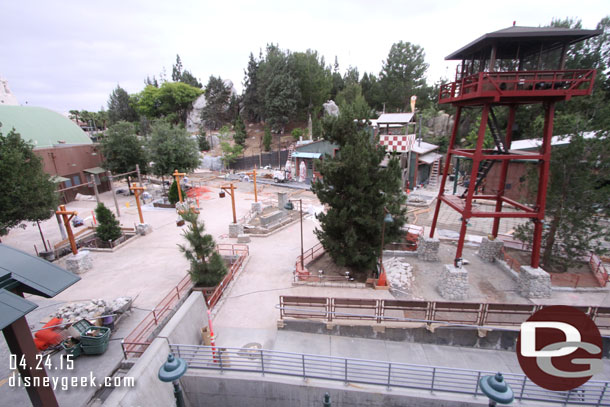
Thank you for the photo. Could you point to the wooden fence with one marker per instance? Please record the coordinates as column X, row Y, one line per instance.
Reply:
column 461, row 313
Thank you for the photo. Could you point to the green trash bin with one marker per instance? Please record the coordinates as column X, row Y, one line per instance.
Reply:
column 72, row 347
column 94, row 341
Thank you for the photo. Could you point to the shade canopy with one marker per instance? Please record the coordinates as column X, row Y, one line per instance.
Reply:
column 525, row 40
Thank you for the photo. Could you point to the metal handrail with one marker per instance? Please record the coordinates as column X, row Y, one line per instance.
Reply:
column 380, row 373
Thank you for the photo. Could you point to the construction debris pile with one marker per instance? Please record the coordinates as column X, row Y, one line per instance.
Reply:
column 399, row 273
column 93, row 309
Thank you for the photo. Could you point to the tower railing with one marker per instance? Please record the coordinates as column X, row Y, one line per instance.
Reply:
column 561, row 83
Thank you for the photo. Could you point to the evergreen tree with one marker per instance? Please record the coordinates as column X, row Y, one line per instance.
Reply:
column 240, row 132
column 356, row 190
column 281, row 99
column 217, row 96
column 26, row 193
column 337, row 80
column 252, row 104
column 404, row 74
column 207, row 266
column 119, row 107
column 577, row 199
column 202, row 141
column 173, row 196
column 108, row 228
column 267, row 139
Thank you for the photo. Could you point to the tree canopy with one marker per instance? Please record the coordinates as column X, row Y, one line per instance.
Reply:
column 119, row 107
column 217, row 98
column 26, row 192
column 172, row 148
column 122, row 149
column 172, row 101
column 403, row 75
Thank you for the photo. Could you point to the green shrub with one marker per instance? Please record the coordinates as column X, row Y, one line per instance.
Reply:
column 173, row 193
column 108, row 227
column 202, row 141
column 207, row 268
column 297, row 133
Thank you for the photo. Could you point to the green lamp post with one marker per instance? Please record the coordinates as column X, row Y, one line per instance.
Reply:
column 496, row 388
column 172, row 371
column 326, row 402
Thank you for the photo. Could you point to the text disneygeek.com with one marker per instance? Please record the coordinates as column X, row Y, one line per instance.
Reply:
column 66, row 383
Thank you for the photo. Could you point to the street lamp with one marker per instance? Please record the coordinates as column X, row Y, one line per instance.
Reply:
column 386, row 219
column 290, row 207
column 172, row 371
column 496, row 389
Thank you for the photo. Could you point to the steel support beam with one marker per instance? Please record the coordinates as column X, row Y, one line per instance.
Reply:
column 543, row 181
column 441, row 191
column 504, row 170
column 476, row 160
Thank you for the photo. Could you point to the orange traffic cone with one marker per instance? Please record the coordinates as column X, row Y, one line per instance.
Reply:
column 383, row 280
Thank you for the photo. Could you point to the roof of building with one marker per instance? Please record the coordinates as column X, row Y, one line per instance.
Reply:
column 42, row 127
column 303, row 154
column 523, row 35
column 535, row 143
column 23, row 272
column 394, row 118
column 421, row 147
column 429, row 158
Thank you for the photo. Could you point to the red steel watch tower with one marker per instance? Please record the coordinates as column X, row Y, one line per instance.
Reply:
column 507, row 68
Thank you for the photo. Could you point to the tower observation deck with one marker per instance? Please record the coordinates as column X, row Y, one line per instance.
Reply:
column 503, row 70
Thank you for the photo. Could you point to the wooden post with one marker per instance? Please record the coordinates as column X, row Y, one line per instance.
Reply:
column 230, row 190
column 67, row 219
column 138, row 191
column 178, row 175
column 253, row 173
column 116, row 204
column 97, row 195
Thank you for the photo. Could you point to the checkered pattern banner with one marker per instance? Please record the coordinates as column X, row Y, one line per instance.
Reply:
column 401, row 144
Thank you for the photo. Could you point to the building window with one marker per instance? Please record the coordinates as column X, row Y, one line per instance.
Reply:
column 76, row 179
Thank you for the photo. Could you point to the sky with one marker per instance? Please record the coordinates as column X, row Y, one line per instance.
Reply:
column 66, row 55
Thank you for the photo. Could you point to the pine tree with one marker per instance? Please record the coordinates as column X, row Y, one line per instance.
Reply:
column 356, row 190
column 240, row 131
column 108, row 228
column 172, row 195
column 267, row 139
column 207, row 266
column 577, row 199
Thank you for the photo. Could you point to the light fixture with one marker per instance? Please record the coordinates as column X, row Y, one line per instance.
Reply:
column 496, row 388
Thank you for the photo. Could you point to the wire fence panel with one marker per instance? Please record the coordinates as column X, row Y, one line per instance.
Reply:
column 388, row 374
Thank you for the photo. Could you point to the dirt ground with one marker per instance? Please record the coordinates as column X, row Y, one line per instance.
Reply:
column 326, row 264
column 579, row 275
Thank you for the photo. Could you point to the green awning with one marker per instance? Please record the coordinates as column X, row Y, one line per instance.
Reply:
column 32, row 274
column 95, row 170
column 58, row 178
column 13, row 307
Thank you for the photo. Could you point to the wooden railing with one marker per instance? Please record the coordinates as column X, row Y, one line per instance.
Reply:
column 241, row 251
column 599, row 270
column 460, row 313
column 138, row 340
column 519, row 84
